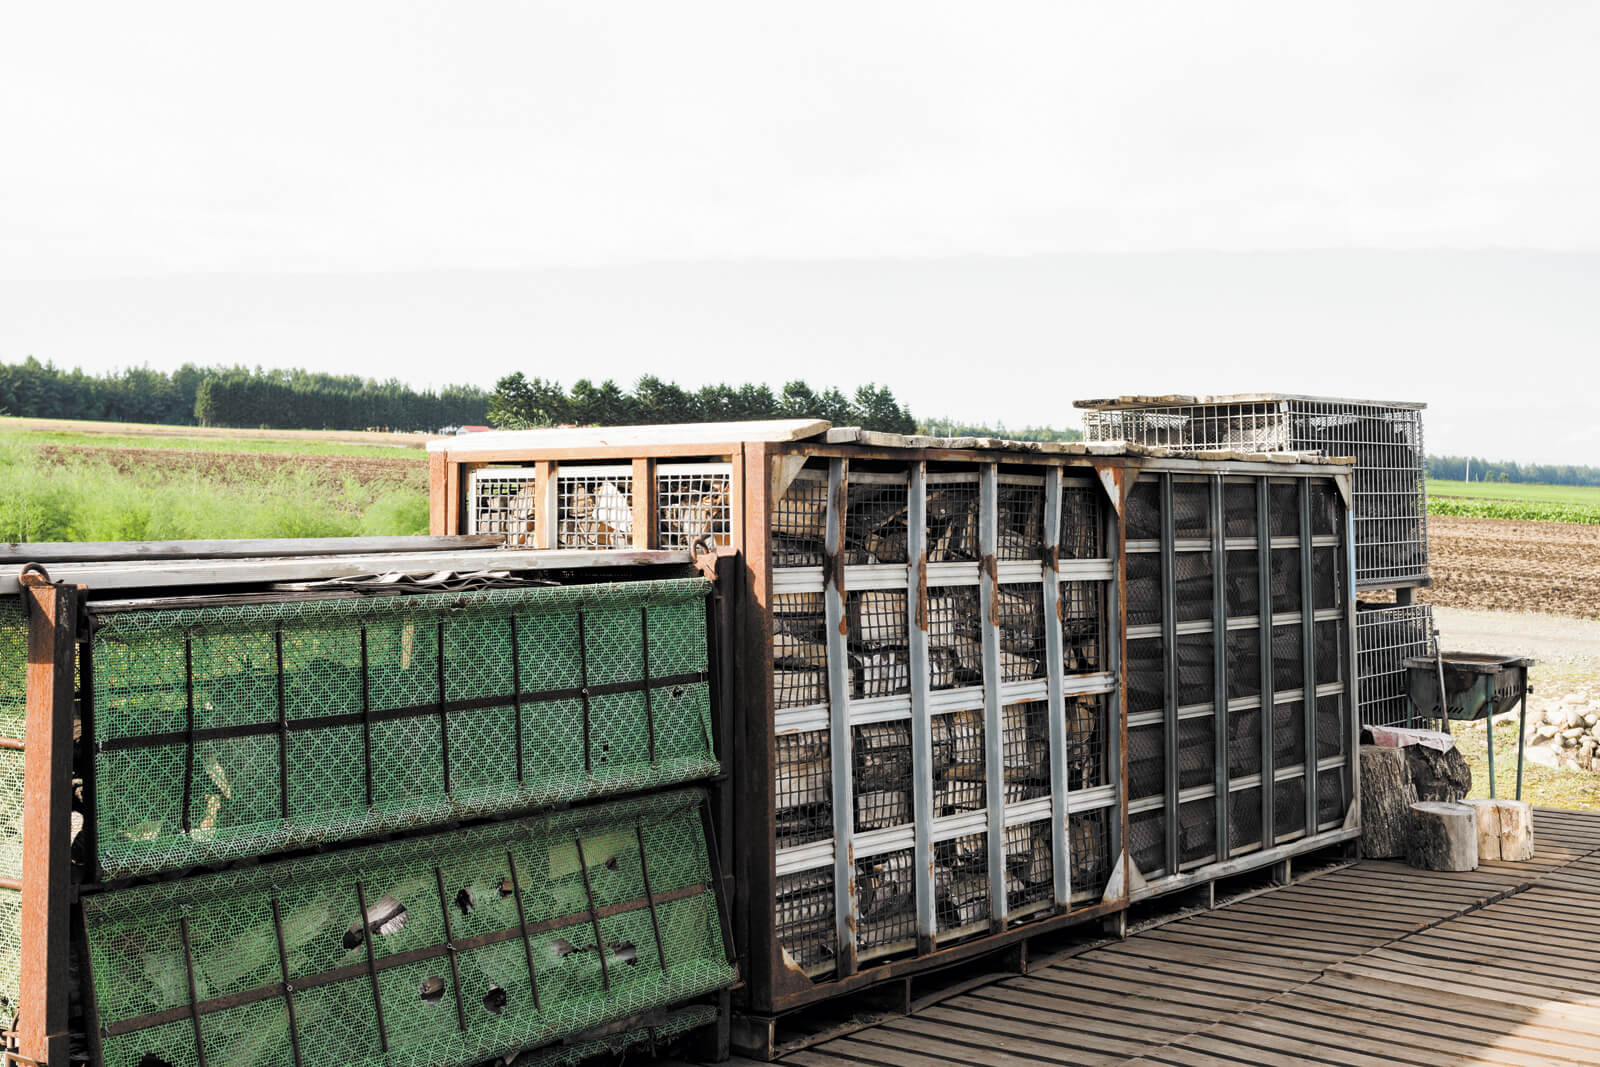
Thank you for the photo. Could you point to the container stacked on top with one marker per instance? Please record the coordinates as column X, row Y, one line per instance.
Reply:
column 1390, row 507
column 332, row 826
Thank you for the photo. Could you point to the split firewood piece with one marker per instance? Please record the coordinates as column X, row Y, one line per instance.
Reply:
column 1443, row 836
column 1505, row 829
column 1386, row 798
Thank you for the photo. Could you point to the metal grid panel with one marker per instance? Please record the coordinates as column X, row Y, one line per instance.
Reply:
column 882, row 778
column 875, row 518
column 799, row 521
column 958, row 763
column 594, row 507
column 463, row 946
column 880, row 663
column 1020, row 618
column 1089, row 844
column 1386, row 442
column 1030, row 868
column 886, row 903
column 961, row 884
column 1083, row 529
column 804, row 920
column 1088, row 741
column 1026, row 750
column 953, row 512
column 502, row 500
column 229, row 731
column 1084, row 626
column 804, row 788
column 1385, row 638
column 955, row 638
column 799, row 650
column 694, row 502
column 1021, row 519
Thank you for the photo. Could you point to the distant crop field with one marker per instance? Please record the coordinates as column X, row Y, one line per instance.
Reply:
column 1516, row 501
column 67, row 481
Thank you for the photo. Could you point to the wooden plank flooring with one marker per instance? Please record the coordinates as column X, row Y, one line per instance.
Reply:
column 1374, row 964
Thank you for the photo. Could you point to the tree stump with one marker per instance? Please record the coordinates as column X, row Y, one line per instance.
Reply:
column 1505, row 829
column 1444, row 837
column 1442, row 776
column 1386, row 798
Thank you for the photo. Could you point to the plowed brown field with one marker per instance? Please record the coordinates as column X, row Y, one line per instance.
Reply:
column 408, row 470
column 1498, row 565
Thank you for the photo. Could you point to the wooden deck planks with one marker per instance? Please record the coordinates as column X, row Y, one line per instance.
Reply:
column 1345, row 968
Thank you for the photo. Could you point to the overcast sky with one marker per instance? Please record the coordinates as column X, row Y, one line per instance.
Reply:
column 964, row 201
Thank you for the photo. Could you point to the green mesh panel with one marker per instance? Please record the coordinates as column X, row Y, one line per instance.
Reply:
column 141, row 977
column 296, row 705
column 10, row 952
column 13, row 667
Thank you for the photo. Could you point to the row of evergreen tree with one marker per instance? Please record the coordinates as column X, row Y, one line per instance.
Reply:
column 1457, row 468
column 520, row 402
column 234, row 396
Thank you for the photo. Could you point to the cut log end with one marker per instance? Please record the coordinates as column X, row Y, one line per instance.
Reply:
column 1443, row 836
column 1505, row 829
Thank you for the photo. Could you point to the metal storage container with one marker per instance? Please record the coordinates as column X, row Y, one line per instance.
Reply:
column 1386, row 636
column 987, row 689
column 1384, row 437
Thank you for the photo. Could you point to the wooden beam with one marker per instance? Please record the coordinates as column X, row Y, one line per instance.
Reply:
column 644, row 503
column 437, row 495
column 135, row 551
column 452, row 498
column 46, row 819
column 546, row 503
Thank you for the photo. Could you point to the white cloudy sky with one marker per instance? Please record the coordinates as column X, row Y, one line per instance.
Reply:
column 991, row 207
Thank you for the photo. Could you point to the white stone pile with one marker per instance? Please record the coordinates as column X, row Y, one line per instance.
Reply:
column 1565, row 731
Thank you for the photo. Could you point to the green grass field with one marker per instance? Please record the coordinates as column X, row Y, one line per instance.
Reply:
column 61, row 484
column 1515, row 500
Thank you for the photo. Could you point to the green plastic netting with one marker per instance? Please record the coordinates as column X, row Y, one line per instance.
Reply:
column 229, row 731
column 13, row 716
column 456, row 925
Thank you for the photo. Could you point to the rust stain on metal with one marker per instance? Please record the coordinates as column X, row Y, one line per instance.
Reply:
column 922, row 594
column 1052, row 561
column 991, row 570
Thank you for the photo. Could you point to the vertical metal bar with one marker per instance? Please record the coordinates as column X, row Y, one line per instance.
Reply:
column 1308, row 646
column 1114, row 625
column 751, row 751
column 650, row 897
column 44, row 966
column 583, row 691
column 283, row 727
column 1219, row 638
column 372, row 965
column 516, row 696
column 194, row 992
column 921, row 720
column 450, row 949
column 188, row 731
column 594, row 916
column 1169, row 641
column 366, row 719
column 444, row 716
column 1055, row 666
column 844, row 880
column 1352, row 685
column 644, row 651
column 993, row 710
column 288, row 988
column 522, row 927
column 1269, row 704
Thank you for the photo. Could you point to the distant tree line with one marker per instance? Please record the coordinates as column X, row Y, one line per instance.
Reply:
column 520, row 402
column 1455, row 468
column 952, row 428
column 234, row 396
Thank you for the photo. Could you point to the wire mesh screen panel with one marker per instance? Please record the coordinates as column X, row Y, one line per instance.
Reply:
column 1026, row 750
column 1084, row 626
column 953, row 508
column 955, row 638
column 804, row 788
column 1390, row 496
column 1019, row 610
column 958, row 763
column 961, row 885
column 1082, row 534
column 1289, row 808
column 1147, row 841
column 13, row 725
column 1088, row 737
column 1385, row 638
column 882, row 778
column 799, row 521
column 875, row 517
column 449, row 949
column 1021, row 518
column 502, row 501
column 804, row 920
column 10, row 953
column 229, row 731
column 799, row 650
column 594, row 507
column 880, row 662
column 1089, row 845
column 1030, row 868
column 886, row 903
column 694, row 502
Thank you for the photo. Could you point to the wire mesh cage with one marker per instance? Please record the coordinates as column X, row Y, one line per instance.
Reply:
column 694, row 503
column 1384, row 438
column 799, row 521
column 594, row 507
column 501, row 500
column 1385, row 638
